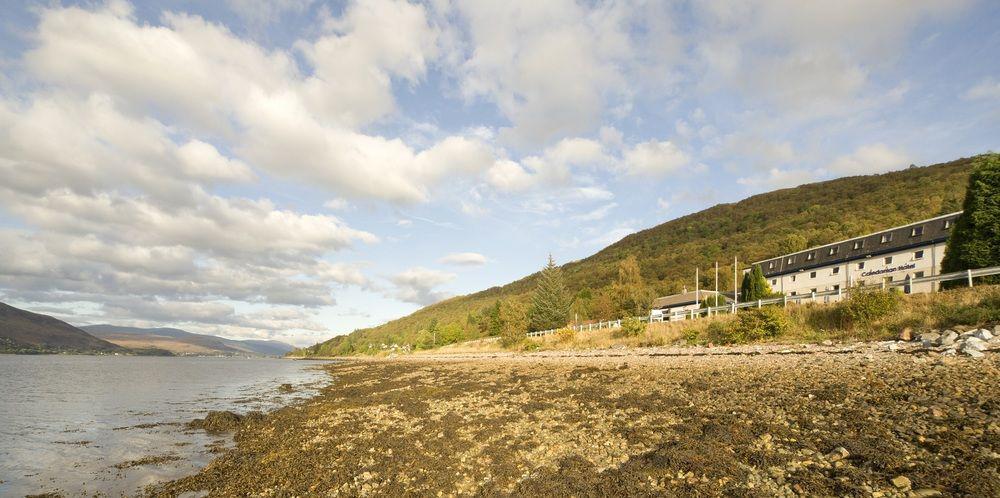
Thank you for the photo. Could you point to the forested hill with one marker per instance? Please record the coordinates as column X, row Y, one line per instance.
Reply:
column 755, row 228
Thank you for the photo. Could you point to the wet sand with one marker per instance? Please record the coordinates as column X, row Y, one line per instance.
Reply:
column 858, row 421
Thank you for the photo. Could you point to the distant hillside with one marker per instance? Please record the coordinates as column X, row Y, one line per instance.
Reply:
column 179, row 341
column 753, row 229
column 26, row 332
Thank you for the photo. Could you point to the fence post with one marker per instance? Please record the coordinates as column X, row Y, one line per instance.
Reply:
column 758, row 303
column 784, row 301
column 969, row 273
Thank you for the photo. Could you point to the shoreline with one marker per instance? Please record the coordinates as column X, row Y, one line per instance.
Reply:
column 857, row 419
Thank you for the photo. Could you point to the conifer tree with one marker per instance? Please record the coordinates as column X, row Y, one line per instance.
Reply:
column 550, row 303
column 754, row 285
column 975, row 242
column 629, row 293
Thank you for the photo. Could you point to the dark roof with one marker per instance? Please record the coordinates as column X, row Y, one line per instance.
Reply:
column 920, row 233
column 682, row 299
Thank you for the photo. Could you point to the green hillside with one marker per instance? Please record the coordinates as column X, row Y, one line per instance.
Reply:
column 753, row 229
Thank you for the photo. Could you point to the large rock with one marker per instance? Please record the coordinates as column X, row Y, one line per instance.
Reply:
column 930, row 339
column 906, row 334
column 224, row 421
column 948, row 338
column 974, row 343
column 982, row 334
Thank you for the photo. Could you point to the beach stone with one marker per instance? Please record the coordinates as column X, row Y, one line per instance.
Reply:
column 983, row 334
column 219, row 421
column 974, row 343
column 929, row 339
column 839, row 453
column 906, row 334
column 925, row 492
column 901, row 482
column 974, row 353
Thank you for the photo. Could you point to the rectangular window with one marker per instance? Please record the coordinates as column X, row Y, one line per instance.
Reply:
column 834, row 250
column 836, row 270
column 858, row 244
column 861, row 265
column 813, row 291
column 770, row 266
column 836, row 287
column 790, row 260
column 812, row 274
column 947, row 224
column 916, row 231
column 918, row 274
column 795, row 293
column 918, row 255
column 774, row 281
column 888, row 260
column 886, row 237
column 793, row 278
column 811, row 256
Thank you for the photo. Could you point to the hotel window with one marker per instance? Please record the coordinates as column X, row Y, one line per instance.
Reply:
column 793, row 278
column 886, row 237
column 834, row 250
column 918, row 255
column 916, row 231
column 858, row 244
column 861, row 265
column 813, row 291
column 812, row 274
column 811, row 256
column 918, row 274
column 770, row 266
column 790, row 260
column 836, row 270
column 795, row 293
column 888, row 260
column 774, row 281
column 836, row 287
column 947, row 224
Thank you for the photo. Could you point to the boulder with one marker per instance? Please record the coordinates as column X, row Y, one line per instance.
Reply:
column 906, row 334
column 982, row 334
column 971, row 352
column 930, row 339
column 901, row 482
column 948, row 338
column 974, row 343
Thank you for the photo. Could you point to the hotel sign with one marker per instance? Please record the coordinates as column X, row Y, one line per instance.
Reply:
column 890, row 269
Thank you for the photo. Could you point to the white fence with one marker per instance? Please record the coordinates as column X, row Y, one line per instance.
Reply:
column 967, row 275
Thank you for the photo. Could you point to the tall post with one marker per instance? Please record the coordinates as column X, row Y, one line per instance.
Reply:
column 715, row 301
column 697, row 294
column 736, row 285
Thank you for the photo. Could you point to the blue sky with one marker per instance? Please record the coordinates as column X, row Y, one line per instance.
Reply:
column 297, row 169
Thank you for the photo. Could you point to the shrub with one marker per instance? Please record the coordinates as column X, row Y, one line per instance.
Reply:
column 513, row 322
column 565, row 334
column 631, row 327
column 984, row 312
column 754, row 324
column 864, row 306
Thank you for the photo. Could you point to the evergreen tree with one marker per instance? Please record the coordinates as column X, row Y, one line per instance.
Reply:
column 550, row 303
column 754, row 286
column 629, row 294
column 975, row 241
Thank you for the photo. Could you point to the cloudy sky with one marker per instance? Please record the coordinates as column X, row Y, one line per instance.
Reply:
column 295, row 169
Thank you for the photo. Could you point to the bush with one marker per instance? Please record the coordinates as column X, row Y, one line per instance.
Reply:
column 565, row 334
column 513, row 322
column 864, row 306
column 984, row 312
column 754, row 324
column 631, row 327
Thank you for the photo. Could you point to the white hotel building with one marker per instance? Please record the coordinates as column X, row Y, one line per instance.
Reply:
column 892, row 255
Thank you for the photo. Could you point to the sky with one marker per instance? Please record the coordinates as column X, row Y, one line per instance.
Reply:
column 297, row 169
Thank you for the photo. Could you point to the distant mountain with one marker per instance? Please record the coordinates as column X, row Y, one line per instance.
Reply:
column 183, row 342
column 26, row 332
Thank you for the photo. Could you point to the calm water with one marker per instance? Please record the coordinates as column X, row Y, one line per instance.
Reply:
column 66, row 422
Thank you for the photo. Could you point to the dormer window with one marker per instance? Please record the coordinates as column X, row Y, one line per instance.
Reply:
column 858, row 244
column 916, row 231
column 811, row 256
column 770, row 266
column 834, row 250
column 947, row 224
column 790, row 260
column 886, row 237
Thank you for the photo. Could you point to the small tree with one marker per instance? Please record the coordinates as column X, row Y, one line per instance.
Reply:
column 550, row 302
column 513, row 322
column 754, row 285
column 975, row 242
column 629, row 293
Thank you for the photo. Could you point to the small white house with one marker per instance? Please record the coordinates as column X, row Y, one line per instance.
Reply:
column 664, row 307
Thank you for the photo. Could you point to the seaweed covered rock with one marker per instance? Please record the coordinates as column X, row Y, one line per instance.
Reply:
column 224, row 421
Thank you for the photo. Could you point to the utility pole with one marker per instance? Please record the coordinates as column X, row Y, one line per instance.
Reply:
column 696, row 283
column 736, row 286
column 716, row 302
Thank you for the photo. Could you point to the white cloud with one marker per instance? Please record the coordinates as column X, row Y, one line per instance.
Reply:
column 597, row 214
column 337, row 204
column 988, row 89
column 654, row 158
column 416, row 285
column 776, row 178
column 869, row 159
column 464, row 259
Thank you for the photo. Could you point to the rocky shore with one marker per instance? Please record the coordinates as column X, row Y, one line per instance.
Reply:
column 873, row 419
